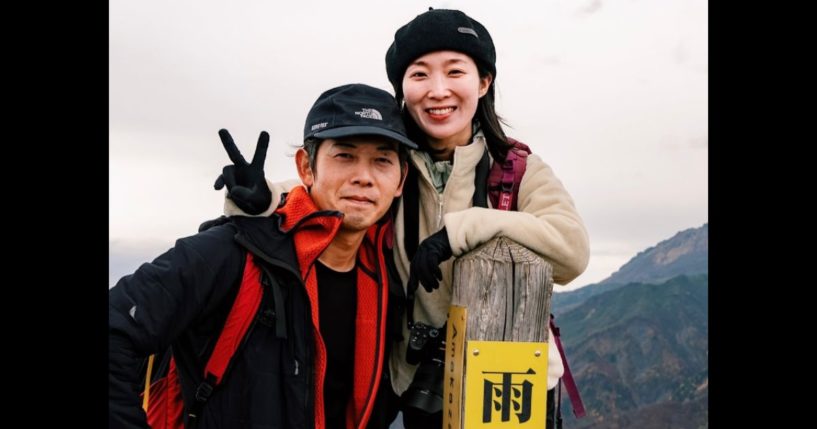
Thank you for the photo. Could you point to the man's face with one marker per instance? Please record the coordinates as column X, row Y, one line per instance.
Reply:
column 358, row 176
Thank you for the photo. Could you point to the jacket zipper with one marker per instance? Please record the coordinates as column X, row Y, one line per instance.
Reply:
column 309, row 391
column 439, row 209
column 440, row 196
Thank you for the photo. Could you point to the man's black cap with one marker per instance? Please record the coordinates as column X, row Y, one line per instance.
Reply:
column 353, row 110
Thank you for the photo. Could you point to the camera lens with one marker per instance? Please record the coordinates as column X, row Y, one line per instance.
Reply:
column 426, row 347
column 425, row 393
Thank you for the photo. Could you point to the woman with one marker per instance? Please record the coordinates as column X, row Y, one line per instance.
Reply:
column 442, row 65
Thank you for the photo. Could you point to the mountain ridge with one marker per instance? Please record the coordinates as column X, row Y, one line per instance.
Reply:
column 686, row 252
column 637, row 342
column 640, row 351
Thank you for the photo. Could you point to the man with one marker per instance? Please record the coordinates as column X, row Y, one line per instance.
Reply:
column 320, row 258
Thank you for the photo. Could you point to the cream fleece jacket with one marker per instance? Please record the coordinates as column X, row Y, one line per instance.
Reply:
column 547, row 223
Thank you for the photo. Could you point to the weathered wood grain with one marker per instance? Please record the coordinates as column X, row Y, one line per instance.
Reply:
column 507, row 290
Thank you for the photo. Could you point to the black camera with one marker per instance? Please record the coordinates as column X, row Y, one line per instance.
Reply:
column 423, row 340
column 426, row 346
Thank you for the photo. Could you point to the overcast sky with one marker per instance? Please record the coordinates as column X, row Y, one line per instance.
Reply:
column 611, row 94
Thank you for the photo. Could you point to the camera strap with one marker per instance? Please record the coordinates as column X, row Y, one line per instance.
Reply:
column 410, row 306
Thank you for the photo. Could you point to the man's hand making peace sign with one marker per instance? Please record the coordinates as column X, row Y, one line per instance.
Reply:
column 246, row 185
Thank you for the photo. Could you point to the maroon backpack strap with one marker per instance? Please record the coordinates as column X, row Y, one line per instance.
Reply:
column 505, row 176
column 570, row 384
column 503, row 191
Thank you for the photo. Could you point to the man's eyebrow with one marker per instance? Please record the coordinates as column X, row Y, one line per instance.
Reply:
column 387, row 147
column 345, row 145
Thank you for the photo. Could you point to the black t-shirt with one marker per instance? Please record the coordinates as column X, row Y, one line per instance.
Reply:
column 337, row 300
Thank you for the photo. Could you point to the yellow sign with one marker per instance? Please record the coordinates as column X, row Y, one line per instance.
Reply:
column 505, row 384
column 492, row 384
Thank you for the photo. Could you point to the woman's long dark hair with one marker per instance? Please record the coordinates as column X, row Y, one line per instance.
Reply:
column 489, row 121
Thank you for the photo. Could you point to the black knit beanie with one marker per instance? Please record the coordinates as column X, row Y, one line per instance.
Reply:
column 439, row 30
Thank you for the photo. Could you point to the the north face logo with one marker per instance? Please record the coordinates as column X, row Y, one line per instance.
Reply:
column 370, row 114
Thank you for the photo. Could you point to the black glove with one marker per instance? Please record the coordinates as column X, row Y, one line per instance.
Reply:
column 246, row 185
column 425, row 267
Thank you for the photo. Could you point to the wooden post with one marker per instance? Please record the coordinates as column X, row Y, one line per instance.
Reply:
column 507, row 290
column 496, row 373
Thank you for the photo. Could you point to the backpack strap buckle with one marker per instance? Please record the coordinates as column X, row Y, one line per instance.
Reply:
column 205, row 389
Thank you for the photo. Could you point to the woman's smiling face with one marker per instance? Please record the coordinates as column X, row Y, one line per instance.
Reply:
column 441, row 91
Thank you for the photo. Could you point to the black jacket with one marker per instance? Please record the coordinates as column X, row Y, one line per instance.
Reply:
column 182, row 298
